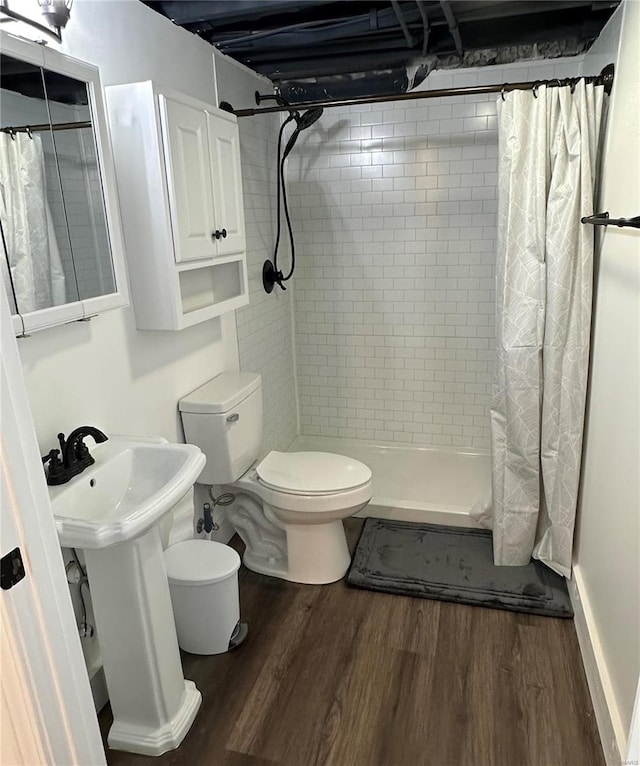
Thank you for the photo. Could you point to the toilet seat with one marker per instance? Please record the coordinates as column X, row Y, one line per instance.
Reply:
column 311, row 503
column 310, row 474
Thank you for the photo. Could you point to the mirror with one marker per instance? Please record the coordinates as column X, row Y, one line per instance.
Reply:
column 53, row 218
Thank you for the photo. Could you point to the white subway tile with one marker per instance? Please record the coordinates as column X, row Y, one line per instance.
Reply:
column 394, row 291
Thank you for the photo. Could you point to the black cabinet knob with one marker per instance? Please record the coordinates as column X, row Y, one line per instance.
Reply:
column 219, row 234
column 224, row 233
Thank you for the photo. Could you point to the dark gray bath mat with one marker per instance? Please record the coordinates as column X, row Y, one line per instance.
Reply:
column 452, row 564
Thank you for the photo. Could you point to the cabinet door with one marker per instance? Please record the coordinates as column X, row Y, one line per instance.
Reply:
column 186, row 148
column 224, row 145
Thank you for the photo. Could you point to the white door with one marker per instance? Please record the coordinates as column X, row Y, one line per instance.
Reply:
column 224, row 146
column 46, row 712
column 186, row 146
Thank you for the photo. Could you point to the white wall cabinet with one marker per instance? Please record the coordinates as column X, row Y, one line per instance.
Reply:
column 180, row 186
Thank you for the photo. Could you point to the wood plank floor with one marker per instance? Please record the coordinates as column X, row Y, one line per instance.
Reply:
column 335, row 676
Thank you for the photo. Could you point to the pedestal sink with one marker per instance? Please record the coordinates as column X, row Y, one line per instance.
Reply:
column 111, row 511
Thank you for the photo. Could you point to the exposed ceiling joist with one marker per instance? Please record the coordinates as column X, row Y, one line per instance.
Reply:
column 290, row 40
column 403, row 24
column 453, row 25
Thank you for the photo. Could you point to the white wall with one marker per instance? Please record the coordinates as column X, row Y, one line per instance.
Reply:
column 607, row 550
column 106, row 372
column 394, row 211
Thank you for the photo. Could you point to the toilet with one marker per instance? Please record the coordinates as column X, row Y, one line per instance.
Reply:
column 289, row 506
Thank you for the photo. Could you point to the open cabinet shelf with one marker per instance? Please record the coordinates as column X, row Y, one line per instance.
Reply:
column 208, row 291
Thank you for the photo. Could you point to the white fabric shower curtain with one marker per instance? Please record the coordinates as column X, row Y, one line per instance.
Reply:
column 548, row 145
column 32, row 247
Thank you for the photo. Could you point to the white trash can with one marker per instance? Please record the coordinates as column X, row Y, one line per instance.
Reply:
column 203, row 581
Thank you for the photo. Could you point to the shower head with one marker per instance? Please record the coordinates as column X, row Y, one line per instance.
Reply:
column 306, row 119
column 303, row 121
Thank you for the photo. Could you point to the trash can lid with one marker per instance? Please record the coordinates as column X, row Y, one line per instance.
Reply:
column 200, row 562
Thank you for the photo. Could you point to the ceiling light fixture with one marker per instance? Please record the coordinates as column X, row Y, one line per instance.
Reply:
column 56, row 13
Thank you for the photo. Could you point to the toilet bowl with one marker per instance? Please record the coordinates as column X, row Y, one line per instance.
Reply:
column 289, row 510
column 288, row 507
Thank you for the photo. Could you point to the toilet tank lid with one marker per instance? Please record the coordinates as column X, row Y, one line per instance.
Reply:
column 222, row 393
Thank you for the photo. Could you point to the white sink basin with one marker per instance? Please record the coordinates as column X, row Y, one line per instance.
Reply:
column 131, row 485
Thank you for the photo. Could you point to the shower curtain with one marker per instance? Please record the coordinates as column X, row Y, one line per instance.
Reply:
column 30, row 239
column 548, row 143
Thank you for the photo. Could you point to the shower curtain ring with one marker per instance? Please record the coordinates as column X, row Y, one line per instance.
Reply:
column 502, row 91
column 12, row 133
column 536, row 85
column 572, row 86
column 28, row 132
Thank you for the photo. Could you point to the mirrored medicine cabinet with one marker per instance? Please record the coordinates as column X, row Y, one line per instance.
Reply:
column 61, row 254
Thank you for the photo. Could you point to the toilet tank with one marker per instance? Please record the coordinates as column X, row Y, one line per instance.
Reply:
column 224, row 418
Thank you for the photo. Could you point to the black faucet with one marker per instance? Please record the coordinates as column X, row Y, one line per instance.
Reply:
column 75, row 455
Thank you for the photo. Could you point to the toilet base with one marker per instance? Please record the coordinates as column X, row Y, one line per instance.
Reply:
column 317, row 554
column 293, row 537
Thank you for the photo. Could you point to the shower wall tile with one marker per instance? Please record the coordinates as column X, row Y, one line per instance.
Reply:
column 394, row 207
column 265, row 326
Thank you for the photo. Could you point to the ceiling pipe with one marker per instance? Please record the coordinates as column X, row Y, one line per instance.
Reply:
column 383, row 20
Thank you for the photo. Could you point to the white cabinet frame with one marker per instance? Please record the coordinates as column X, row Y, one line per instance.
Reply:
column 180, row 274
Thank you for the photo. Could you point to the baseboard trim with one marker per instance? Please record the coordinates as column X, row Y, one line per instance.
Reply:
column 99, row 687
column 612, row 734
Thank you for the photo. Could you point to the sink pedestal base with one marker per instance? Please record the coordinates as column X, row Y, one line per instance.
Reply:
column 134, row 739
column 153, row 706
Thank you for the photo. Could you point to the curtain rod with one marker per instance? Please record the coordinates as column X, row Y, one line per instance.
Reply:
column 604, row 78
column 45, row 126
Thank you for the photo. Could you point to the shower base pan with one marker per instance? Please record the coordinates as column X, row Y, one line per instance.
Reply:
column 421, row 484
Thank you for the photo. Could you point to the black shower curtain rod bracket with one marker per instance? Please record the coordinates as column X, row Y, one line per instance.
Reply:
column 603, row 219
